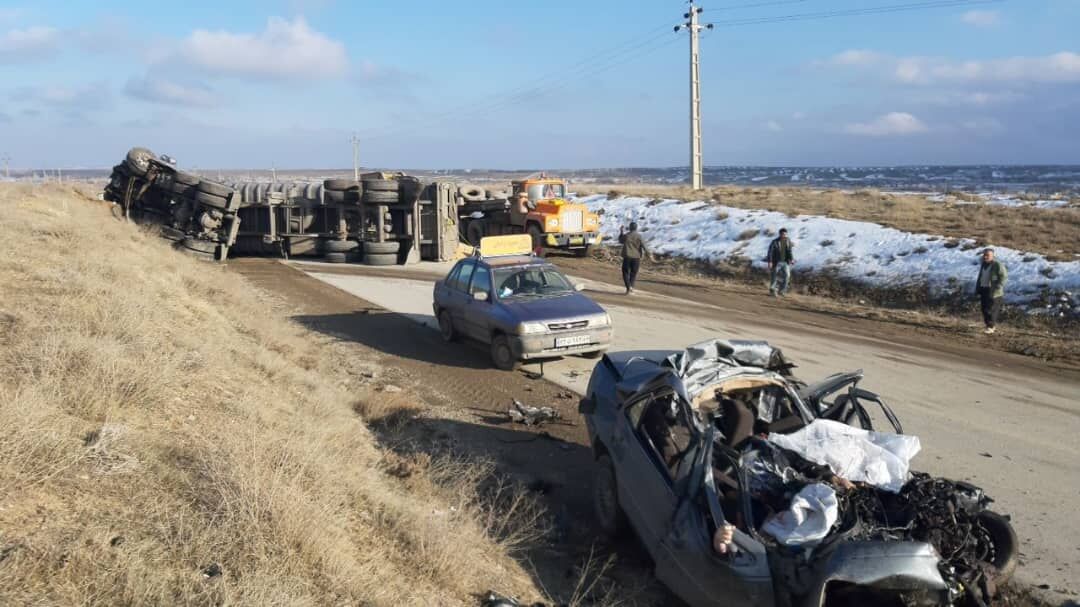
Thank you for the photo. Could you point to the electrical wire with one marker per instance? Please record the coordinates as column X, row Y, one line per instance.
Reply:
column 754, row 5
column 874, row 10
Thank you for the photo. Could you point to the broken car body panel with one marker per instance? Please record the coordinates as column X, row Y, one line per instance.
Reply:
column 676, row 504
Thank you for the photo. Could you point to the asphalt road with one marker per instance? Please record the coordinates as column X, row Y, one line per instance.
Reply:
column 1004, row 422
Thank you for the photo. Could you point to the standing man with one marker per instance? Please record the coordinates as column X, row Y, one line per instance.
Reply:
column 633, row 249
column 780, row 261
column 990, row 287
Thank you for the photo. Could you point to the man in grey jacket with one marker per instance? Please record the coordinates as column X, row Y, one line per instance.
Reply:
column 633, row 250
column 990, row 287
column 780, row 260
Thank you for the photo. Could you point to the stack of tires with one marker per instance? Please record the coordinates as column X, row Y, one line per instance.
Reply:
column 341, row 251
column 341, row 191
column 381, row 253
column 383, row 195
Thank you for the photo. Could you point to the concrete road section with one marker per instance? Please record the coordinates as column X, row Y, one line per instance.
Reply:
column 1012, row 431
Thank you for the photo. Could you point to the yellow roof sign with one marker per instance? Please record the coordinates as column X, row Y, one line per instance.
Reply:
column 498, row 246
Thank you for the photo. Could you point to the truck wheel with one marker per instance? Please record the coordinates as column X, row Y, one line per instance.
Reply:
column 381, row 196
column 502, row 355
column 199, row 246
column 340, row 246
column 582, row 252
column 471, row 193
column 335, row 257
column 446, row 327
column 380, row 185
column 537, row 238
column 186, row 178
column 138, row 160
column 212, row 200
column 340, row 185
column 382, row 248
column 216, row 189
column 609, row 514
column 1003, row 537
column 380, row 259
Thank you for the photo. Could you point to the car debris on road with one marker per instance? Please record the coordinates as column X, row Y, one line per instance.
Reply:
column 531, row 416
column 680, row 439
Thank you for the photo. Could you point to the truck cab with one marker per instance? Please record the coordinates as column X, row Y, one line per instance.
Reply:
column 552, row 220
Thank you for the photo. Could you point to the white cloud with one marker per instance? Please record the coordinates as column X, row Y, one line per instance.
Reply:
column 28, row 44
column 981, row 18
column 774, row 126
column 893, row 123
column 94, row 95
column 798, row 115
column 856, row 57
column 284, row 50
column 168, row 92
column 983, row 126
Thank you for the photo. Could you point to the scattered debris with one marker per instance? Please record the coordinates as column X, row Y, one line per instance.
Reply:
column 531, row 416
column 213, row 570
column 391, row 389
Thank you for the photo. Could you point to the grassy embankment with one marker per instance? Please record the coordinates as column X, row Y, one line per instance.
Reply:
column 168, row 441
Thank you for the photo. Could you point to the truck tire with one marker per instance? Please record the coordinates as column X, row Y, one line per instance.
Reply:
column 199, row 246
column 336, row 257
column 609, row 514
column 260, row 193
column 475, row 231
column 471, row 193
column 212, row 200
column 537, row 235
column 501, row 353
column 138, row 160
column 340, row 246
column 380, row 185
column 382, row 248
column 340, row 185
column 186, row 178
column 172, row 234
column 409, row 188
column 496, row 194
column 182, row 190
column 380, row 197
column 334, row 196
column 216, row 189
column 380, row 259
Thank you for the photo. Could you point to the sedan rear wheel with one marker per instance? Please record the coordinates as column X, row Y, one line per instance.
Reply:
column 502, row 355
column 446, row 327
column 609, row 513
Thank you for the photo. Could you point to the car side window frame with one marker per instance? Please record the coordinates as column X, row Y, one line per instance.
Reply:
column 457, row 286
column 477, row 271
column 452, row 277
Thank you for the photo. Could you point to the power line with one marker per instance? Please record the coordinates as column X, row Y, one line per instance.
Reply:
column 756, row 5
column 875, row 10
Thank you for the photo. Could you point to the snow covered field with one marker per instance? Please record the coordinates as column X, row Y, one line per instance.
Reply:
column 858, row 251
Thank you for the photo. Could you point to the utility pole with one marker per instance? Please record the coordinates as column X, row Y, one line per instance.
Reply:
column 273, row 174
column 7, row 169
column 355, row 157
column 694, row 28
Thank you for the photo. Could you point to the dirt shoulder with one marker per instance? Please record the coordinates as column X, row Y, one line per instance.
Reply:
column 1054, row 233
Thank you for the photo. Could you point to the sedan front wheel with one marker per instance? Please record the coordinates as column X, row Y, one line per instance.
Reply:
column 502, row 354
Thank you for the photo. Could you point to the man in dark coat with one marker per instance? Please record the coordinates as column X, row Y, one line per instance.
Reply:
column 633, row 249
column 990, row 287
column 780, row 261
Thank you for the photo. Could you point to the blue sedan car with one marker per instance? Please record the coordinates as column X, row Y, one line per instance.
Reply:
column 521, row 305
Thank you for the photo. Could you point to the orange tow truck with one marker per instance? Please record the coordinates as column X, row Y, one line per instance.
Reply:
column 537, row 207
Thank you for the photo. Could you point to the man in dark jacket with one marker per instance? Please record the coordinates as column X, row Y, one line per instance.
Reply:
column 990, row 287
column 780, row 261
column 633, row 249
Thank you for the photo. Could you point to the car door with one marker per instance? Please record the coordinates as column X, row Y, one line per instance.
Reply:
column 478, row 314
column 645, row 489
column 689, row 565
column 457, row 295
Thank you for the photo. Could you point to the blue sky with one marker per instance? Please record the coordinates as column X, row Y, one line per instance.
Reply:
column 535, row 84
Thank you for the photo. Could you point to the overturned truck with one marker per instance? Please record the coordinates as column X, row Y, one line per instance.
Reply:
column 380, row 219
column 749, row 487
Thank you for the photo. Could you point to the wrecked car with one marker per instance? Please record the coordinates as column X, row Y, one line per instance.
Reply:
column 749, row 487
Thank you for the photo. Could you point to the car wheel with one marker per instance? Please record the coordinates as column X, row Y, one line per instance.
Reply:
column 502, row 354
column 446, row 327
column 1002, row 537
column 609, row 513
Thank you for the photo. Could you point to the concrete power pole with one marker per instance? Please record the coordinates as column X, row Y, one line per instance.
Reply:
column 694, row 27
column 7, row 168
column 355, row 157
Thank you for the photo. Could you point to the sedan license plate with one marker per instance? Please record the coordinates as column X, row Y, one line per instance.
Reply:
column 576, row 340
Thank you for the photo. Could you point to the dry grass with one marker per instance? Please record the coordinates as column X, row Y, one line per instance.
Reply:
column 1054, row 233
column 166, row 441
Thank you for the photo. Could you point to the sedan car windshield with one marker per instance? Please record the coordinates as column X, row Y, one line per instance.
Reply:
column 531, row 281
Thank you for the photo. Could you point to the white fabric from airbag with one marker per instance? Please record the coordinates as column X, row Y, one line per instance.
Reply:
column 808, row 519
